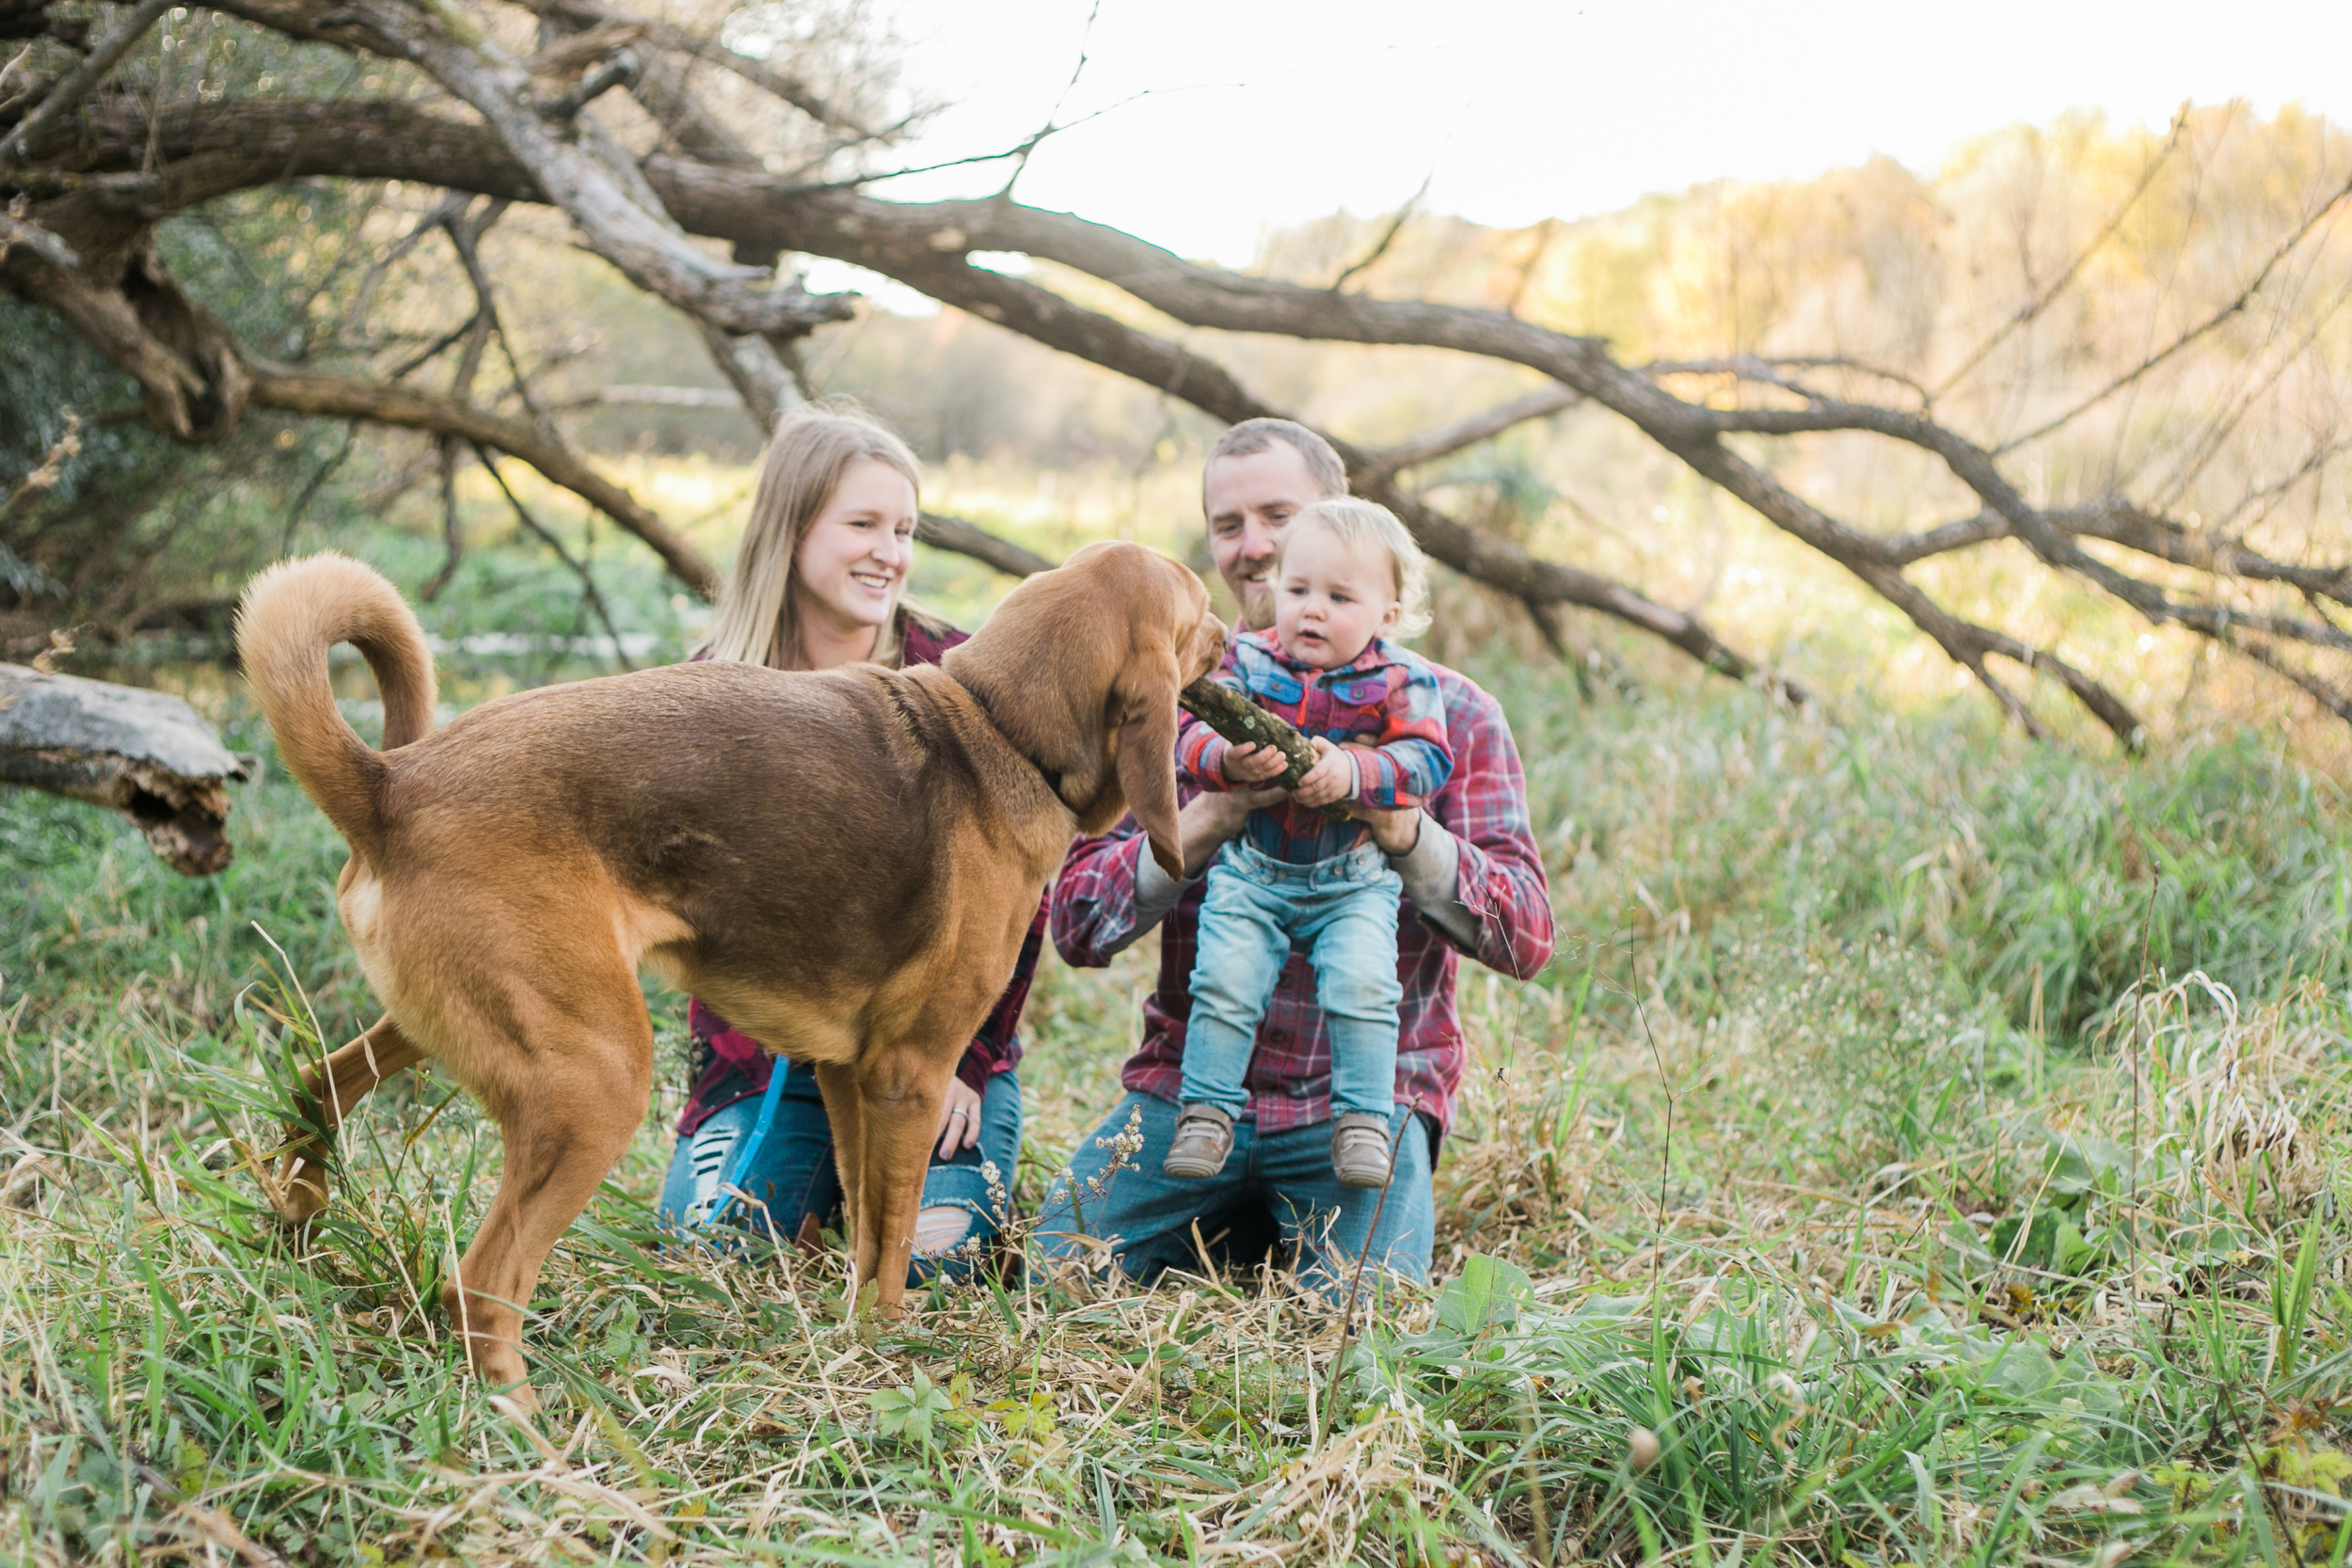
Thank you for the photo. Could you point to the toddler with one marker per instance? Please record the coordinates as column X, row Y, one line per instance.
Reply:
column 1347, row 577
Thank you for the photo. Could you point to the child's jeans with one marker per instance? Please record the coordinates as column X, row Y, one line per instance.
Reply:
column 1343, row 911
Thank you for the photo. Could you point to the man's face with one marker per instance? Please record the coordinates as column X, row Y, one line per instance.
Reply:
column 1249, row 499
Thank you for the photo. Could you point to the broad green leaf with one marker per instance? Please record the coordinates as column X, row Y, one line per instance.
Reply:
column 1487, row 1292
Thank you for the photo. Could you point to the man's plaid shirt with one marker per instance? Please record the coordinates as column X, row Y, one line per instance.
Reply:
column 1484, row 805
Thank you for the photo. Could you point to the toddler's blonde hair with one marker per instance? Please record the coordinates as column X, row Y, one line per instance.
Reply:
column 1358, row 523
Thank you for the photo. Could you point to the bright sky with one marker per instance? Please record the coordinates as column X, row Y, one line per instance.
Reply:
column 1221, row 118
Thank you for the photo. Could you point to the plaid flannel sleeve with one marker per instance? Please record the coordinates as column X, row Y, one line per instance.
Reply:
column 1201, row 753
column 1094, row 897
column 1484, row 805
column 1412, row 759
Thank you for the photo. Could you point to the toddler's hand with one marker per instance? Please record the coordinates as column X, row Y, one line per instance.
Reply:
column 1250, row 765
column 1332, row 777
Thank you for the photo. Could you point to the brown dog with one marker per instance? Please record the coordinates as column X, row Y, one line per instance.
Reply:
column 843, row 863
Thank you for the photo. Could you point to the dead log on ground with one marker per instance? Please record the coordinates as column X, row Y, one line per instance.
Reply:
column 144, row 754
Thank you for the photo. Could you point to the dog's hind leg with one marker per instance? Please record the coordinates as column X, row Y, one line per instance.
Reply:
column 330, row 1091
column 587, row 1075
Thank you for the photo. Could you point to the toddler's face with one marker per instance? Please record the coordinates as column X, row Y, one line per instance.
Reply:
column 1330, row 601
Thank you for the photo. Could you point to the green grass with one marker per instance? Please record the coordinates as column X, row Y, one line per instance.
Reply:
column 1834, row 1198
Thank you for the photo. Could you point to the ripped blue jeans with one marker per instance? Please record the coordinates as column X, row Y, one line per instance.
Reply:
column 793, row 1176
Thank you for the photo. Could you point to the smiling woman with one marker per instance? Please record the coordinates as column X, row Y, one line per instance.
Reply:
column 817, row 583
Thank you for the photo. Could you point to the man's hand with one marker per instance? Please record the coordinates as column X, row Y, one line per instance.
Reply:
column 1395, row 832
column 1210, row 818
column 1249, row 764
column 1332, row 778
column 959, row 1118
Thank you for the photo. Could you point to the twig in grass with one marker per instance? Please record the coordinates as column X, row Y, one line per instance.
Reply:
column 2140, row 1025
column 1354, row 1286
column 1666, row 1155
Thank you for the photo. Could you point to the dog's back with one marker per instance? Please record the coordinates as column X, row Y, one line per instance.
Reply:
column 736, row 800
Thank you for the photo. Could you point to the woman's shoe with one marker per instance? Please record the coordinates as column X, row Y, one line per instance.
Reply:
column 1359, row 1149
column 1204, row 1136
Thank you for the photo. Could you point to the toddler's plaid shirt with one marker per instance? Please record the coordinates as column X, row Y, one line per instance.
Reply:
column 1385, row 698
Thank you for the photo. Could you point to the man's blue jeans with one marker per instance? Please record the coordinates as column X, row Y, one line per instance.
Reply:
column 1343, row 911
column 1152, row 1217
column 794, row 1175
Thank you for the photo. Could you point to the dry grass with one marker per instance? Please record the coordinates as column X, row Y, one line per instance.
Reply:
column 1815, row 1255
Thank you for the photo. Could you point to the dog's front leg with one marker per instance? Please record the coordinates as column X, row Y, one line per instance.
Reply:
column 902, row 1090
column 330, row 1089
column 845, row 1113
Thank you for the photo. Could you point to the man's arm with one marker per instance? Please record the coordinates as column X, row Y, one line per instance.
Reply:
column 1468, row 862
column 1110, row 892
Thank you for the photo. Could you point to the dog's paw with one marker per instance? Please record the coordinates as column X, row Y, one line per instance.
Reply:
column 298, row 1190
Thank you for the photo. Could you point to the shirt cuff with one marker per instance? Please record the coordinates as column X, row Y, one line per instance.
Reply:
column 1157, row 893
column 1431, row 871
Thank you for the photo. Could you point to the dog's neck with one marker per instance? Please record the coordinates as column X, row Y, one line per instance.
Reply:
column 979, row 693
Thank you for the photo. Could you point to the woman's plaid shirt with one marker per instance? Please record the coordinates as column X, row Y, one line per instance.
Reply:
column 1484, row 805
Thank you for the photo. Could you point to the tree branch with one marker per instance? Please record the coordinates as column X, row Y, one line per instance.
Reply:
column 646, row 246
column 967, row 538
column 661, row 35
column 925, row 245
column 33, row 129
column 299, row 391
column 1448, row 439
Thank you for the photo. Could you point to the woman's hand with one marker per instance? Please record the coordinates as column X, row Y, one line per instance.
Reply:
column 959, row 1120
column 1251, row 764
column 1332, row 777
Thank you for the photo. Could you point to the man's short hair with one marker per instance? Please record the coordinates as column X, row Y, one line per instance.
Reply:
column 1251, row 436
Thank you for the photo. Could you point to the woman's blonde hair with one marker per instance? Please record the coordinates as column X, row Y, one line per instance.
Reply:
column 1359, row 523
column 814, row 446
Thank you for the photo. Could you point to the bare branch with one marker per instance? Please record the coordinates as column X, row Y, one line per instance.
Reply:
column 39, row 241
column 2046, row 297
column 925, row 245
column 579, row 569
column 2236, row 307
column 299, row 391
column 967, row 538
column 1448, row 439
column 1771, row 370
column 661, row 35
column 596, row 194
column 33, row 129
column 1387, row 236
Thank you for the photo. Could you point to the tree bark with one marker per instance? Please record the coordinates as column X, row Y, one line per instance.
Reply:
column 143, row 753
column 1245, row 723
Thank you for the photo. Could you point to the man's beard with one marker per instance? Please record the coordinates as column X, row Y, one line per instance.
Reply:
column 1256, row 606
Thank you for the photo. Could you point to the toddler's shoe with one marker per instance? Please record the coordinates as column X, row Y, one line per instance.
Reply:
column 1204, row 1136
column 1359, row 1149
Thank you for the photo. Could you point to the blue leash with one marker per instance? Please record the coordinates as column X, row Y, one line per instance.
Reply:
column 749, row 1151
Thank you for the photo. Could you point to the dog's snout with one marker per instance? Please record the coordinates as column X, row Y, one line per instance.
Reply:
column 1210, row 642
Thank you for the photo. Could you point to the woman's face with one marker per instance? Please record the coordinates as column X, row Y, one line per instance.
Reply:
column 852, row 561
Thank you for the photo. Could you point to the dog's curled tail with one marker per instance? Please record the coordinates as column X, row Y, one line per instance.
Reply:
column 289, row 616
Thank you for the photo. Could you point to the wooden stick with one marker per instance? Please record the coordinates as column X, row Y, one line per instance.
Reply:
column 1245, row 723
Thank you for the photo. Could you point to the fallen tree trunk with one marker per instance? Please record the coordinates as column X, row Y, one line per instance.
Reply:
column 144, row 754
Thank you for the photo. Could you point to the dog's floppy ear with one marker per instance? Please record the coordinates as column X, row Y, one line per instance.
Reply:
column 1145, row 694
